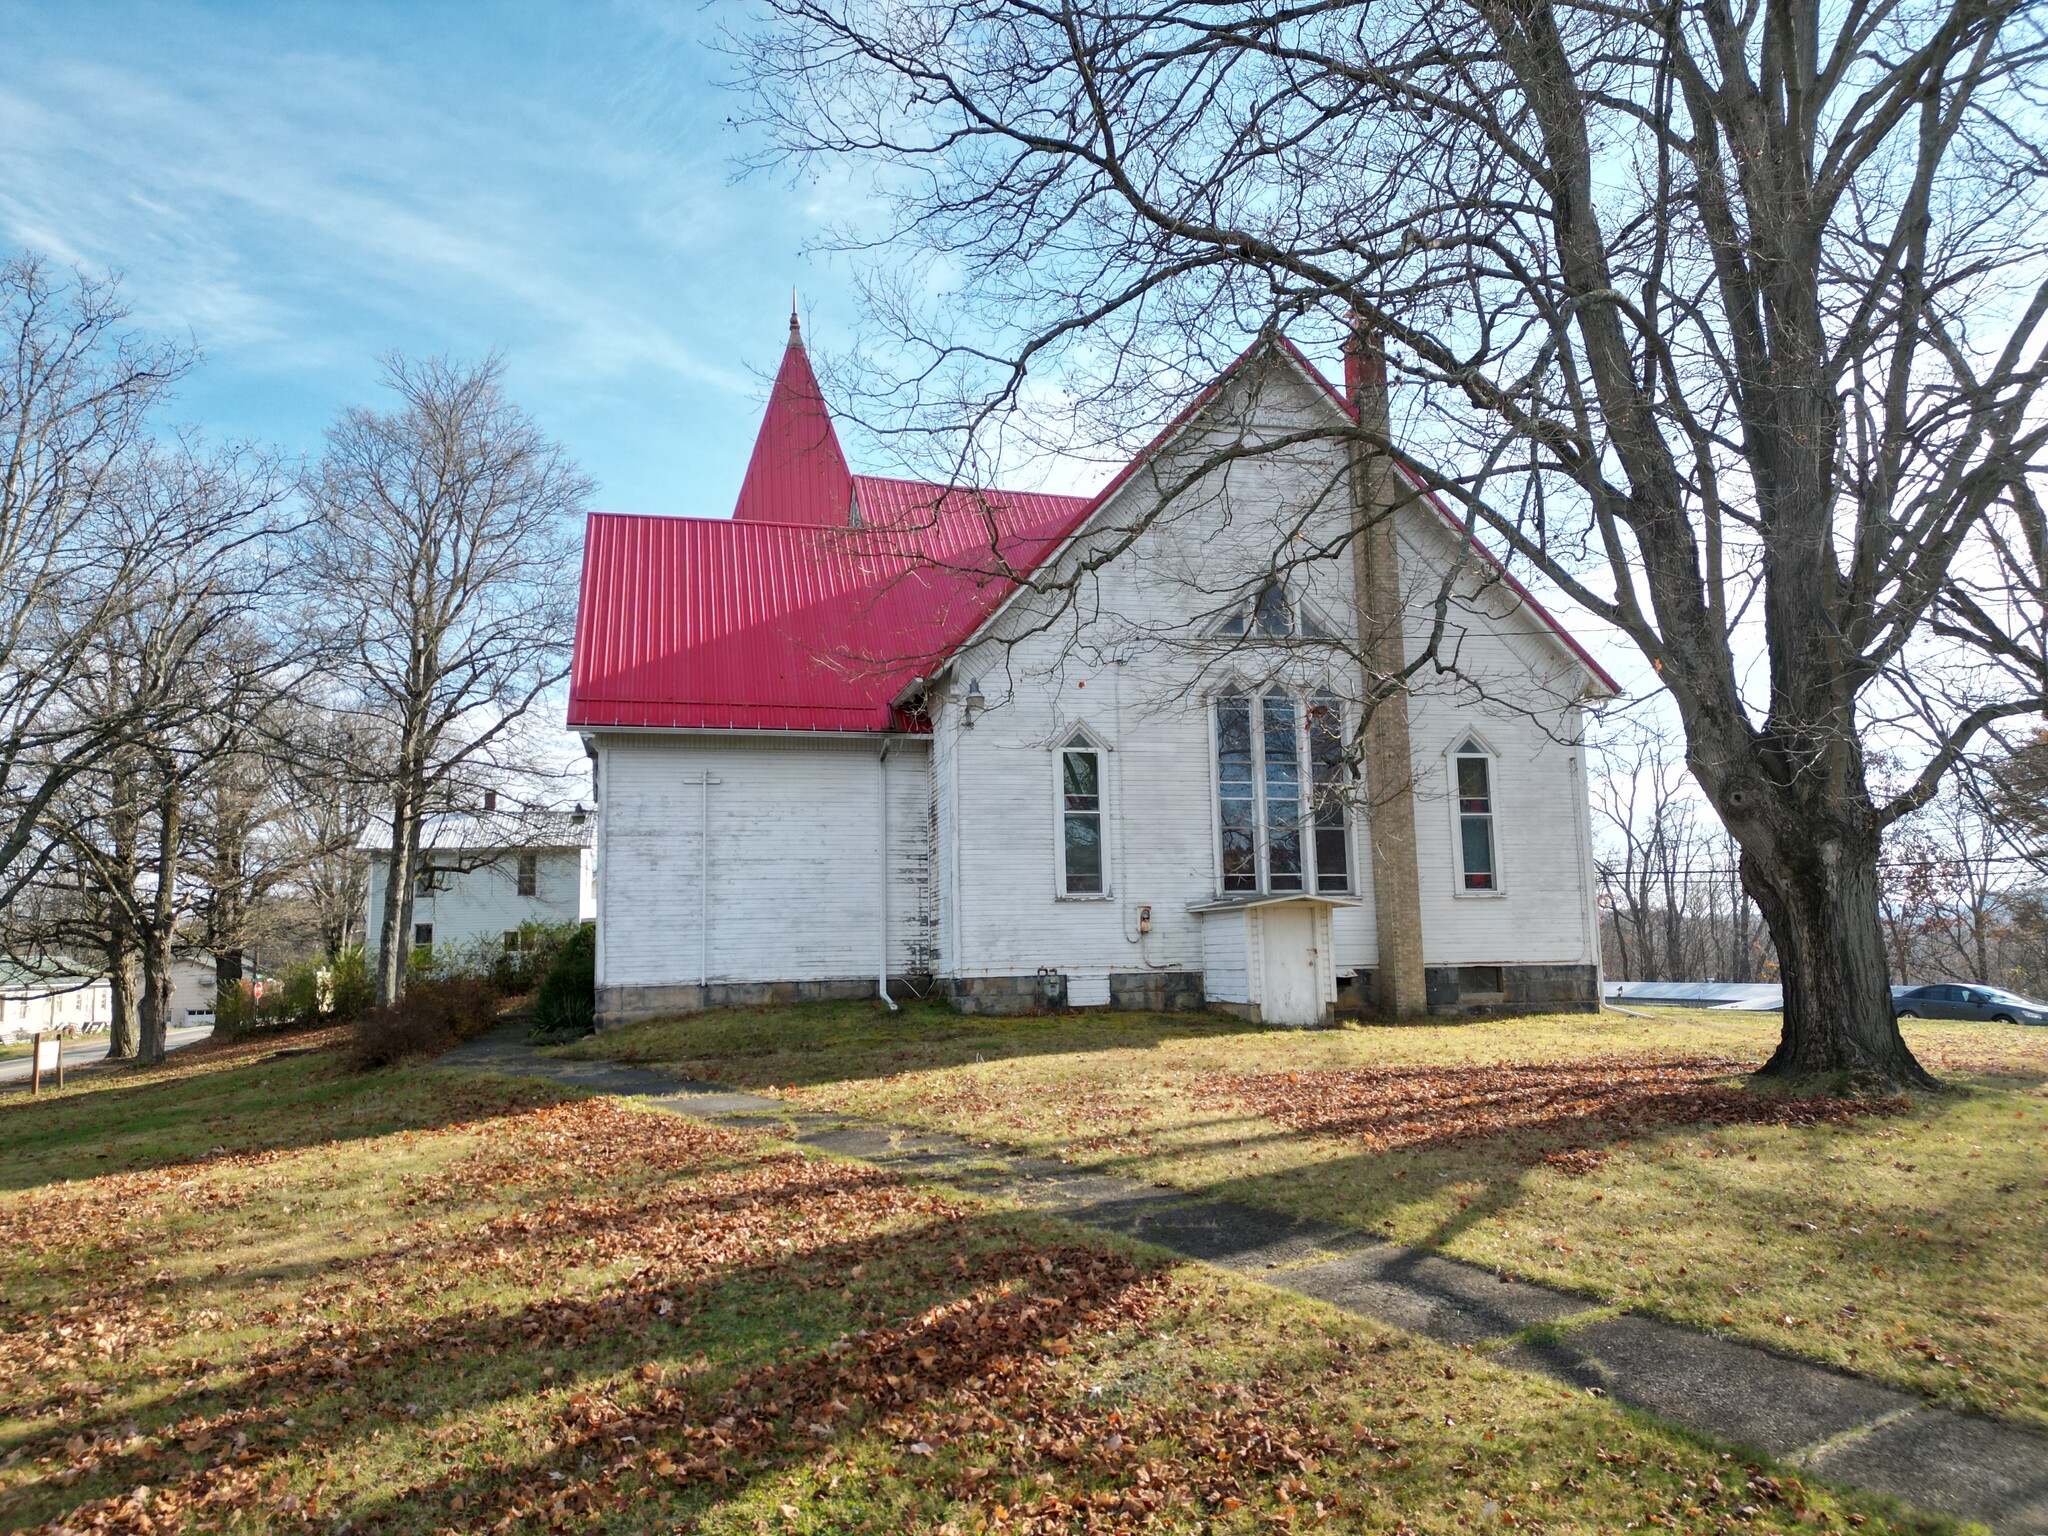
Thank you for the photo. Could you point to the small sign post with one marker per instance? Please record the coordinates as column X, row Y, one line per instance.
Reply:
column 49, row 1057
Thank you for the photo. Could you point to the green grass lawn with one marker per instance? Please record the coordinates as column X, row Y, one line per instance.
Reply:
column 250, row 1292
column 1911, row 1246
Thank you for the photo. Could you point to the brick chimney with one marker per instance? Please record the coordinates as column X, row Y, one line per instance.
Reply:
column 1399, row 990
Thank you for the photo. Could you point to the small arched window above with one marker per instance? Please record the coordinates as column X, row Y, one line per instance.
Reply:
column 1272, row 614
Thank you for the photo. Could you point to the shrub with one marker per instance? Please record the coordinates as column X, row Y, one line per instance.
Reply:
column 302, row 995
column 513, row 970
column 236, row 1012
column 351, row 992
column 567, row 1003
column 296, row 996
column 429, row 1018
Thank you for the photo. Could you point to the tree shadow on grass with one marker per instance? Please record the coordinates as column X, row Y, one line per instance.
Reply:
column 687, row 1384
column 223, row 1113
column 1802, row 1266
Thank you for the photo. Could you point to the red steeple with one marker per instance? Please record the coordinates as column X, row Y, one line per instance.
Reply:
column 797, row 473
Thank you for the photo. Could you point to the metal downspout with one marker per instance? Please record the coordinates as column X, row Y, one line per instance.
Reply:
column 882, row 961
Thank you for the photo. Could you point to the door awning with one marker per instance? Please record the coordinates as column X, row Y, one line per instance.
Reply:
column 1252, row 899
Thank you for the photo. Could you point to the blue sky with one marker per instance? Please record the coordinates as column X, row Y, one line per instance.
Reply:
column 301, row 187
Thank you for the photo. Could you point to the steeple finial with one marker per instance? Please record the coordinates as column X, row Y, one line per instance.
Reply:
column 796, row 333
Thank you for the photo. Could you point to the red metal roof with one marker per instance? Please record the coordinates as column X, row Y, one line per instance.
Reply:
column 701, row 623
column 784, row 617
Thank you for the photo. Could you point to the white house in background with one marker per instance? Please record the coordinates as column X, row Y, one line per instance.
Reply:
column 52, row 1002
column 195, row 991
column 485, row 874
column 838, row 749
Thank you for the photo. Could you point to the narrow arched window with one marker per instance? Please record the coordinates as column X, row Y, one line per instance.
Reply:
column 1329, row 781
column 1237, row 793
column 1082, row 871
column 1281, row 747
column 1478, row 865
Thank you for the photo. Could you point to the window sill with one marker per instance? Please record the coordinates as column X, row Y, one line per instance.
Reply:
column 1478, row 895
column 1084, row 896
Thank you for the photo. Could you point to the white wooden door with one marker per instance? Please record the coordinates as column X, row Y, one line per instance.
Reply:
column 1287, row 965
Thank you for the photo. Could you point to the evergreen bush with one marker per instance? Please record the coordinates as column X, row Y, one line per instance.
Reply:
column 566, row 1005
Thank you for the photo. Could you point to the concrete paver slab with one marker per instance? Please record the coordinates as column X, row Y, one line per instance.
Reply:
column 1454, row 1302
column 1950, row 1462
column 1727, row 1389
column 1218, row 1231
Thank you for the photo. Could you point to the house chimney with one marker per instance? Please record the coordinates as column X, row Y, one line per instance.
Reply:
column 490, row 801
column 1399, row 987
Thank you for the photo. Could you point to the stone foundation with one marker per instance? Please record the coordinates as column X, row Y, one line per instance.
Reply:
column 629, row 1005
column 1157, row 991
column 1523, row 989
column 1007, row 994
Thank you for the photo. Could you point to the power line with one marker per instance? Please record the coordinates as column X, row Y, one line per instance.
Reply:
column 1729, row 871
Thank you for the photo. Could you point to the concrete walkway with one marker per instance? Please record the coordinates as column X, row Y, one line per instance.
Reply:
column 1844, row 1428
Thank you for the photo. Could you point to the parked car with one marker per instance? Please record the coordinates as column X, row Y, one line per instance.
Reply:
column 1954, row 1001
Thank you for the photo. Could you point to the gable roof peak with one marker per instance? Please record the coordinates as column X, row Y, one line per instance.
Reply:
column 798, row 472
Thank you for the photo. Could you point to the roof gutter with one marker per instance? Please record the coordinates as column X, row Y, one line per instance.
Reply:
column 918, row 686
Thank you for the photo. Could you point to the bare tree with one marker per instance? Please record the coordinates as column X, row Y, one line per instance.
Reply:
column 1955, row 890
column 324, row 804
column 443, row 561
column 273, row 829
column 1725, row 322
column 184, row 674
column 76, row 391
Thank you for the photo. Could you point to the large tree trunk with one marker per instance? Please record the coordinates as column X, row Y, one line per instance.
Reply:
column 227, row 984
column 394, row 950
column 124, row 1032
column 160, row 931
column 156, row 996
column 389, row 966
column 1819, row 899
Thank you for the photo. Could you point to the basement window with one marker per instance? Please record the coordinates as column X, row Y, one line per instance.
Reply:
column 1480, row 983
column 1082, row 871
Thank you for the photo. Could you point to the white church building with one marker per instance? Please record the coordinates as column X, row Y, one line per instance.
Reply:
column 1021, row 751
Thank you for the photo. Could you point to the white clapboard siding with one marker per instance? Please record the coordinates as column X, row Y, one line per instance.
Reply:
column 793, row 860
column 483, row 903
column 794, row 824
column 1118, row 664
